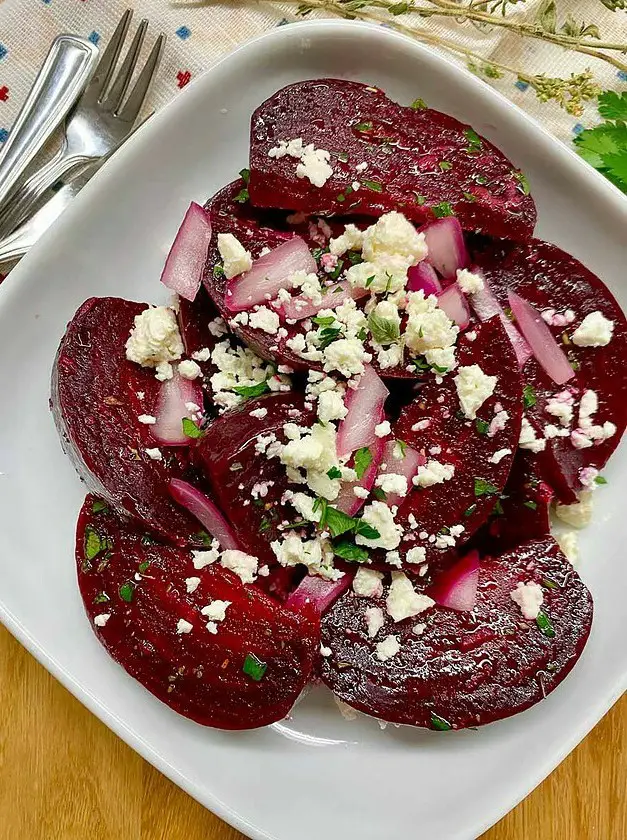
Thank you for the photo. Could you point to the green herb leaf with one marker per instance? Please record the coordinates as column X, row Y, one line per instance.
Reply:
column 549, row 584
column 363, row 126
column 474, row 141
column 190, row 429
column 399, row 9
column 218, row 271
column 354, row 257
column 445, row 165
column 204, row 537
column 482, row 426
column 402, row 446
column 522, row 180
column 127, row 591
column 341, row 197
column 469, row 196
column 99, row 506
column 379, row 494
column 484, row 488
column 264, row 525
column 366, row 531
column 362, row 460
column 244, row 174
column 343, row 157
column 420, row 199
column 531, row 504
column 337, row 522
column 612, row 105
column 498, row 508
column 544, row 625
column 334, row 472
column 302, row 523
column 529, row 396
column 439, row 723
column 254, row 668
column 101, row 598
column 323, row 320
column 375, row 186
column 93, row 543
column 143, row 566
column 349, row 551
column 600, row 480
column 383, row 330
column 546, row 16
column 443, row 209
column 369, row 281
column 252, row 390
column 242, row 196
column 469, row 511
column 418, row 104
column 328, row 335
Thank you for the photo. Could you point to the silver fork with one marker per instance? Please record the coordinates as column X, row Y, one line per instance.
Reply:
column 98, row 123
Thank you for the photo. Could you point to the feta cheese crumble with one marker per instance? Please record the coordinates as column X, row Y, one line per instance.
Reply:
column 367, row 583
column 380, row 517
column 184, row 626
column 474, row 387
column 264, row 319
column 154, row 454
column 403, row 601
column 388, row 648
column 155, row 339
column 468, row 282
column 236, row 259
column 244, row 565
column 433, row 472
column 529, row 597
column 216, row 610
column 578, row 514
column 374, row 620
column 101, row 620
column 594, row 331
column 528, row 438
column 189, row 369
column 192, row 584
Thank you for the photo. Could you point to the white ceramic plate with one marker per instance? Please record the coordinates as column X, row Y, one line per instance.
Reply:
column 314, row 775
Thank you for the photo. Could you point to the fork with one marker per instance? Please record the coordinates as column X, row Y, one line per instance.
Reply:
column 100, row 120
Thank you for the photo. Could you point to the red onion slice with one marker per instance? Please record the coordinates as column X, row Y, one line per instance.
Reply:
column 301, row 307
column 456, row 588
column 365, row 411
column 454, row 303
column 171, row 409
column 423, row 277
column 406, row 466
column 185, row 263
column 541, row 340
column 269, row 274
column 447, row 249
column 317, row 592
column 487, row 306
column 205, row 512
column 347, row 501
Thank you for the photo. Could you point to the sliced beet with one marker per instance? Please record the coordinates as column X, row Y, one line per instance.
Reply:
column 523, row 509
column 97, row 397
column 548, row 278
column 464, row 668
column 194, row 318
column 419, row 161
column 433, row 425
column 239, row 471
column 141, row 586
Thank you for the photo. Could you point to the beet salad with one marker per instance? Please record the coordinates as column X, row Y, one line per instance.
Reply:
column 338, row 453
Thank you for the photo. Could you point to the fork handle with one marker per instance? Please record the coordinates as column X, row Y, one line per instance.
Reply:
column 30, row 192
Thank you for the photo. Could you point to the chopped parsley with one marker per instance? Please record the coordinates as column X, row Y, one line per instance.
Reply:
column 484, row 488
column 482, row 426
column 379, row 494
column 338, row 522
column 252, row 390
column 101, row 598
column 469, row 511
column 349, row 551
column 340, row 197
column 327, row 335
column 218, row 271
column 439, row 723
column 445, row 165
column 242, row 196
column 343, row 157
column 244, row 174
column 549, row 584
column 384, row 330
column 190, row 429
column 469, row 196
column 375, row 186
column 94, row 543
column 474, row 141
column 420, row 199
column 363, row 126
column 204, row 537
column 254, row 668
column 402, row 446
column 362, row 460
column 529, row 396
column 523, row 182
column 531, row 504
column 143, row 566
column 600, row 480
column 126, row 591
column 418, row 104
column 544, row 625
column 334, row 472
column 99, row 506
column 443, row 209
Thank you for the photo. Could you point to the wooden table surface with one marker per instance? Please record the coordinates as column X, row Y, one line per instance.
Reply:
column 65, row 776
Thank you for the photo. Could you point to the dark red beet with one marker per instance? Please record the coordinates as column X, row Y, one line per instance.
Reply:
column 193, row 318
column 418, row 160
column 198, row 674
column 549, row 278
column 469, row 497
column 466, row 668
column 523, row 510
column 228, row 457
column 96, row 403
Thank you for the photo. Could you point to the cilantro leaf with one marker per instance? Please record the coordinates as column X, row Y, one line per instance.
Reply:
column 190, row 429
column 349, row 551
column 484, row 488
column 126, row 591
column 544, row 625
column 253, row 667
column 529, row 396
column 362, row 460
column 375, row 186
column 384, row 330
column 443, row 209
column 612, row 105
column 93, row 543
column 252, row 390
column 99, row 506
column 615, row 168
column 242, row 196
column 439, row 723
column 418, row 104
column 244, row 174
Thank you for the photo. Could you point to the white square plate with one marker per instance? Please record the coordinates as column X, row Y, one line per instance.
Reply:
column 315, row 775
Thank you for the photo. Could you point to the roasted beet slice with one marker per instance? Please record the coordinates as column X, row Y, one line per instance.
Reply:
column 97, row 397
column 434, row 425
column 143, row 588
column 248, row 484
column 464, row 668
column 551, row 279
column 523, row 509
column 419, row 161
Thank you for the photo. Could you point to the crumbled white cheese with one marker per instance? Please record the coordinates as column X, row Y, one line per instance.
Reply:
column 499, row 455
column 184, row 626
column 331, row 406
column 418, row 629
column 561, row 406
column 383, row 429
column 202, row 355
column 147, row 419
column 528, row 438
column 594, row 331
column 392, row 483
column 101, row 620
column 265, row 319
column 380, row 517
column 403, row 601
column 236, row 259
column 428, row 326
column 361, row 492
column 304, row 504
column 216, row 610
column 529, row 597
column 578, row 514
column 155, row 338
column 367, row 583
column 315, row 453
column 393, row 237
column 314, row 165
column 388, row 648
column 346, row 355
column 325, row 651
column 433, row 472
column 374, row 620
column 259, row 413
column 154, row 454
column 498, row 423
column 468, row 282
column 244, row 565
column 201, row 559
column 474, row 387
column 568, row 542
column 189, row 369
column 389, row 357
column 351, row 240
column 192, row 584
column 416, row 555
column 316, row 554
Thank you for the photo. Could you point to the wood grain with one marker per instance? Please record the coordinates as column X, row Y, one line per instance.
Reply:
column 65, row 776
